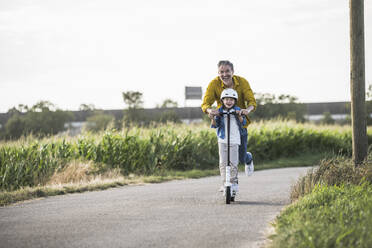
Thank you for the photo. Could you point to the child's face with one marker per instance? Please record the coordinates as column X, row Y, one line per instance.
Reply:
column 229, row 102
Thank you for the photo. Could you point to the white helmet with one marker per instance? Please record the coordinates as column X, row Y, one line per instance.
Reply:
column 229, row 93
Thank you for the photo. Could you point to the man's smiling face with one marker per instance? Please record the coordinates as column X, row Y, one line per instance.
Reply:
column 225, row 73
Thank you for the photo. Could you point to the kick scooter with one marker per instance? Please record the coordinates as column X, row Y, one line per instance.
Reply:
column 230, row 195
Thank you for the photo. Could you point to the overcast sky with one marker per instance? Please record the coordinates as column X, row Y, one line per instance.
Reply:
column 71, row 52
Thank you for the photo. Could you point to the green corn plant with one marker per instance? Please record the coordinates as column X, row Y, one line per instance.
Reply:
column 148, row 151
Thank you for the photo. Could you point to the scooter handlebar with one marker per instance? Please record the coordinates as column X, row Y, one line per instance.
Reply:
column 229, row 111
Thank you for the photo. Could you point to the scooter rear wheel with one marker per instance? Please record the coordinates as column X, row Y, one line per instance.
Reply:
column 228, row 195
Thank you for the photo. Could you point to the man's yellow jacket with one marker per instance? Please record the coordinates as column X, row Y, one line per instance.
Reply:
column 241, row 85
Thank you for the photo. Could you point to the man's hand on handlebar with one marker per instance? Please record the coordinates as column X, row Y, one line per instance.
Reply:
column 212, row 113
column 246, row 111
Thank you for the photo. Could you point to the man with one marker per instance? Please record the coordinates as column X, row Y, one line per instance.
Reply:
column 246, row 101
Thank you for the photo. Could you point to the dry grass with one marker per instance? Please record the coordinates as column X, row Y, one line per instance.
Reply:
column 80, row 172
column 60, row 184
column 338, row 170
column 304, row 185
column 59, row 188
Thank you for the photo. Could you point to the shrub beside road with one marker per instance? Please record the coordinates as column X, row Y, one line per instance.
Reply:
column 332, row 207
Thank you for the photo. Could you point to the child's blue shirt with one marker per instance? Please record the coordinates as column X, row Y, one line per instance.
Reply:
column 220, row 124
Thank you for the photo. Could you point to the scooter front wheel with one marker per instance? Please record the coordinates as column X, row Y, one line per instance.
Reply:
column 228, row 195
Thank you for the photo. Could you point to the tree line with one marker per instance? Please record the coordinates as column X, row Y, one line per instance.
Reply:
column 44, row 118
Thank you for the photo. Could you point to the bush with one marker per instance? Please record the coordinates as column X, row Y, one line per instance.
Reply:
column 327, row 119
column 169, row 116
column 332, row 207
column 337, row 171
column 15, row 127
column 98, row 122
column 282, row 106
column 330, row 216
column 40, row 120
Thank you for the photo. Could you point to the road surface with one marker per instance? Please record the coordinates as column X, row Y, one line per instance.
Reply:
column 186, row 213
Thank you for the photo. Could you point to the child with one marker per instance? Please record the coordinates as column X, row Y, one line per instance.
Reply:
column 229, row 97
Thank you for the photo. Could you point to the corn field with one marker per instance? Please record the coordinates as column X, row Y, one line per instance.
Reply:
column 148, row 151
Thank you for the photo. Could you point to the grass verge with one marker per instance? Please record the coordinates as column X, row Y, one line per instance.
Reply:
column 302, row 160
column 330, row 216
column 332, row 207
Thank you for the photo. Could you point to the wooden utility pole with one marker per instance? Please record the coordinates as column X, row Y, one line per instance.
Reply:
column 357, row 81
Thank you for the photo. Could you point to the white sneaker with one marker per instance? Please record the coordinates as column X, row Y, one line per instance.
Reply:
column 235, row 188
column 249, row 168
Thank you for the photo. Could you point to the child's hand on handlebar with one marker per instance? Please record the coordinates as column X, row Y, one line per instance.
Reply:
column 244, row 112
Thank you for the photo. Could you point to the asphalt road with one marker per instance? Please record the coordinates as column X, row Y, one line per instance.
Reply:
column 187, row 213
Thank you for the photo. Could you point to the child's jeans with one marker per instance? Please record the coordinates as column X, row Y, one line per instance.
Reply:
column 244, row 158
column 234, row 160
